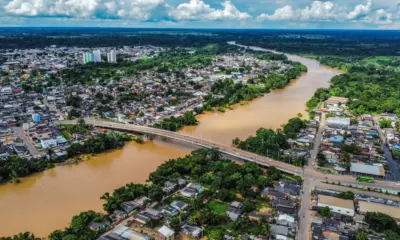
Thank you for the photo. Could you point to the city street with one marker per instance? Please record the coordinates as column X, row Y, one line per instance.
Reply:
column 19, row 132
column 393, row 164
column 308, row 184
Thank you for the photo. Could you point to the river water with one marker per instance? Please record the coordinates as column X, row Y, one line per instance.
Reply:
column 45, row 202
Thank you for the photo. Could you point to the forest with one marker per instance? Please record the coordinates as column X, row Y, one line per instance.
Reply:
column 176, row 123
column 100, row 143
column 310, row 42
column 226, row 92
column 271, row 143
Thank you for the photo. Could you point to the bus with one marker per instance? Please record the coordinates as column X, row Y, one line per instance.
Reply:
column 366, row 179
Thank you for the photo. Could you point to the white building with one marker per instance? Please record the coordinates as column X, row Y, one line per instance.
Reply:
column 337, row 205
column 359, row 169
column 112, row 57
column 338, row 122
column 87, row 57
column 48, row 143
column 96, row 56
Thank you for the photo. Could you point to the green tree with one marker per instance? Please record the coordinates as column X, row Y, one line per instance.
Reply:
column 392, row 235
column 175, row 225
column 321, row 159
column 361, row 235
column 326, row 212
column 349, row 195
column 81, row 124
column 379, row 221
column 385, row 123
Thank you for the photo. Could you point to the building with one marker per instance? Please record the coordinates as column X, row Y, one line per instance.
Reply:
column 96, row 56
column 130, row 206
column 367, row 170
column 282, row 231
column 192, row 231
column 234, row 210
column 48, row 143
column 285, row 206
column 273, row 194
column 286, row 220
column 123, row 233
column 393, row 211
column 336, row 205
column 88, row 57
column 153, row 213
column 179, row 205
column 192, row 190
column 36, row 118
column 165, row 233
column 338, row 122
column 336, row 101
column 169, row 210
column 112, row 57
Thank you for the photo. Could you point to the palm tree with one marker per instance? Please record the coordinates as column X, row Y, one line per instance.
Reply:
column 81, row 124
column 50, row 153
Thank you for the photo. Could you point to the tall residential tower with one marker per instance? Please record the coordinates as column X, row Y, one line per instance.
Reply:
column 112, row 57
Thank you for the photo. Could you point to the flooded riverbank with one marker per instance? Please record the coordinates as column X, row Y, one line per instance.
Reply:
column 45, row 202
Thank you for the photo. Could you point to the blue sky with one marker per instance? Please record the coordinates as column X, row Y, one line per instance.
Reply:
column 337, row 14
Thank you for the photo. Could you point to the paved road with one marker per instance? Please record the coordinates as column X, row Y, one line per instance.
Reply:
column 357, row 191
column 309, row 171
column 53, row 108
column 308, row 184
column 28, row 142
column 393, row 164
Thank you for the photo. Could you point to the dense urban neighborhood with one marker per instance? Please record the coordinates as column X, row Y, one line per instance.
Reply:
column 331, row 174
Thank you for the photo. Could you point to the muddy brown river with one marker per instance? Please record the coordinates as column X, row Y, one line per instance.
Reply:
column 45, row 202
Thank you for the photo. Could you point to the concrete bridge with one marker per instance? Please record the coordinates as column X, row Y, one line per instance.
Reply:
column 228, row 150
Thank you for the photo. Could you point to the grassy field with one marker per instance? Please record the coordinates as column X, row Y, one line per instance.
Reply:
column 214, row 232
column 377, row 60
column 66, row 134
column 218, row 207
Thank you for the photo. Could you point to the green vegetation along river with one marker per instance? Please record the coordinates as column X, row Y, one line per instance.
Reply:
column 45, row 202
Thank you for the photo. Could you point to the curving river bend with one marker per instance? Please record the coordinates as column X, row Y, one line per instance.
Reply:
column 45, row 202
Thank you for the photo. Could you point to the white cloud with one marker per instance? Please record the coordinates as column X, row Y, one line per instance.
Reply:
column 318, row 11
column 383, row 17
column 360, row 11
column 285, row 13
column 132, row 9
column 198, row 10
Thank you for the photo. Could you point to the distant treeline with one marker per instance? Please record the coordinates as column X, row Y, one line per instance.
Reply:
column 313, row 42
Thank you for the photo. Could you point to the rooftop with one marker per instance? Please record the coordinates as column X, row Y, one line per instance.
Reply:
column 367, row 169
column 392, row 211
column 334, row 201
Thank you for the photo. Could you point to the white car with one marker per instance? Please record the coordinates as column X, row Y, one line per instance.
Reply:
column 398, row 184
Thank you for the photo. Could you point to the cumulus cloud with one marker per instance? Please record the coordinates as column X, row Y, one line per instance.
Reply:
column 360, row 11
column 198, row 10
column 383, row 17
column 143, row 10
column 285, row 13
column 318, row 11
column 133, row 9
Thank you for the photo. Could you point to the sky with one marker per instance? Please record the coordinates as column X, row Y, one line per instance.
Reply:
column 292, row 14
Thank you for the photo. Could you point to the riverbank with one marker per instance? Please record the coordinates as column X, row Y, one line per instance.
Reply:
column 78, row 187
